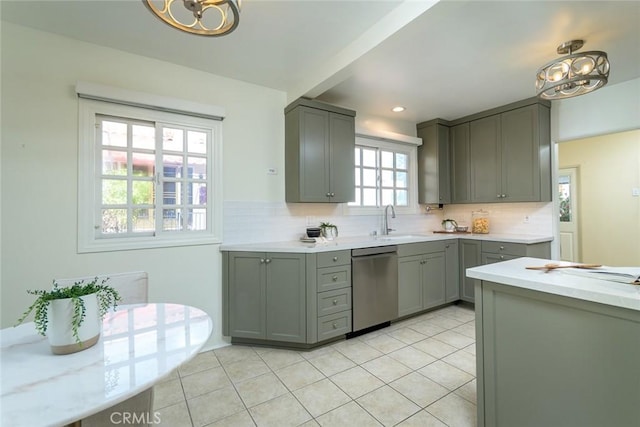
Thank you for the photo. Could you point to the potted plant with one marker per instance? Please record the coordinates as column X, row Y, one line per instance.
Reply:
column 329, row 231
column 71, row 317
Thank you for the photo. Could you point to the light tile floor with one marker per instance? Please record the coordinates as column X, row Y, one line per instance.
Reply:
column 417, row 372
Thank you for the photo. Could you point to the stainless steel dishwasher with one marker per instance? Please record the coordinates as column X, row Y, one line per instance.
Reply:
column 375, row 286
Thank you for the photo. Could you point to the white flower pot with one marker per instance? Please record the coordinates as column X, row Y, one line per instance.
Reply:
column 59, row 330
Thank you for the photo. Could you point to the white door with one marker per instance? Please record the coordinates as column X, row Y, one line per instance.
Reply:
column 569, row 236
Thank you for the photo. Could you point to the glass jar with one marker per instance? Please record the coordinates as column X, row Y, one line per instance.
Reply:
column 480, row 222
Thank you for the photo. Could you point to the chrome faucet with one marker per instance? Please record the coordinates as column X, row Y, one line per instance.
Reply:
column 385, row 219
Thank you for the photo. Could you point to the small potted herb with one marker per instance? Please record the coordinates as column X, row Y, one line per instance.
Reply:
column 71, row 317
column 329, row 231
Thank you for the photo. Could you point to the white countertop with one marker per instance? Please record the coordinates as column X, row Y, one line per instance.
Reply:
column 139, row 345
column 556, row 282
column 370, row 241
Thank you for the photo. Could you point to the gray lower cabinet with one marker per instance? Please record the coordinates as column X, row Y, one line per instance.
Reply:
column 427, row 273
column 265, row 296
column 549, row 360
column 301, row 299
column 319, row 153
column 476, row 252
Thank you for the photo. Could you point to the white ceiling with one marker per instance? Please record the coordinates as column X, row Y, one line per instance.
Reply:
column 445, row 59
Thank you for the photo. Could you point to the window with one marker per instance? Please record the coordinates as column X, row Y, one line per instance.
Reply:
column 147, row 178
column 383, row 174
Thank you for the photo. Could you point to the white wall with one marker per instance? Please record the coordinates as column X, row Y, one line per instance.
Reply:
column 39, row 165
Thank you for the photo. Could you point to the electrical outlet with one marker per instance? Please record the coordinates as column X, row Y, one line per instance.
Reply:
column 635, row 192
column 526, row 219
column 272, row 171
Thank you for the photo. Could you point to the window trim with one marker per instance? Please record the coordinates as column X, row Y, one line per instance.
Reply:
column 88, row 167
column 411, row 150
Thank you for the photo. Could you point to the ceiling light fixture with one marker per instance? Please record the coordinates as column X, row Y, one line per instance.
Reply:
column 574, row 74
column 201, row 17
column 398, row 109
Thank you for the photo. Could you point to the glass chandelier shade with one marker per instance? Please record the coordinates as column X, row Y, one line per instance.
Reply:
column 201, row 17
column 572, row 75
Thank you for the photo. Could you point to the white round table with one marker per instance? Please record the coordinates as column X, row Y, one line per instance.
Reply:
column 140, row 344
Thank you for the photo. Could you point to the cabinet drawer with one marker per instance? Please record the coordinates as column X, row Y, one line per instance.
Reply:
column 410, row 249
column 331, row 278
column 516, row 249
column 334, row 301
column 334, row 325
column 329, row 259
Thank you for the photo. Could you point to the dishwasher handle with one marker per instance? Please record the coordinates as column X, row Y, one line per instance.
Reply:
column 377, row 250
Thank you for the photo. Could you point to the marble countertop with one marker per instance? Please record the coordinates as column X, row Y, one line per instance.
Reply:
column 139, row 345
column 371, row 241
column 558, row 282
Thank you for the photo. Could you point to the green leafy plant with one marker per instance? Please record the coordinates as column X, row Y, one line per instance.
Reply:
column 326, row 225
column 107, row 297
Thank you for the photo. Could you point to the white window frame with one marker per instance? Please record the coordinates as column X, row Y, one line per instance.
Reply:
column 411, row 150
column 90, row 172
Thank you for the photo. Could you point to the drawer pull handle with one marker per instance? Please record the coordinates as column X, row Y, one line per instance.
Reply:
column 335, row 258
column 335, row 325
column 335, row 302
column 334, row 278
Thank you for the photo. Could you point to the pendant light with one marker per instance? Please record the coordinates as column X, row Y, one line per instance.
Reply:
column 572, row 75
column 201, row 17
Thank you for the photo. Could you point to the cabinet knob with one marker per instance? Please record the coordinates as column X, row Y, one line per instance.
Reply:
column 501, row 256
column 334, row 278
column 267, row 260
column 261, row 260
column 328, row 194
column 335, row 259
column 333, row 194
column 498, row 196
column 335, row 302
column 335, row 325
column 504, row 196
column 502, row 248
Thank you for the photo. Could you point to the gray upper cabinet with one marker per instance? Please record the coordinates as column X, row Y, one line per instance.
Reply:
column 499, row 155
column 484, row 140
column 319, row 153
column 510, row 155
column 460, row 164
column 433, row 163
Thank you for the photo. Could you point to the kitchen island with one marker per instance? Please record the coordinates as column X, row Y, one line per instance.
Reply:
column 555, row 349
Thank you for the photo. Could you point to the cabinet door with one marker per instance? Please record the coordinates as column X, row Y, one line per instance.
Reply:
column 247, row 295
column 314, row 155
column 433, row 279
column 285, row 297
column 520, row 155
column 484, row 140
column 409, row 284
column 433, row 164
column 470, row 256
column 452, row 273
column 460, row 164
column 342, row 184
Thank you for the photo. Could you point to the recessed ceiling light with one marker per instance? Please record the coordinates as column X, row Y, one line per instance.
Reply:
column 398, row 109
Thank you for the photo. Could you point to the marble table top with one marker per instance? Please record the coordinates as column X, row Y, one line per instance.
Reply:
column 140, row 344
column 558, row 282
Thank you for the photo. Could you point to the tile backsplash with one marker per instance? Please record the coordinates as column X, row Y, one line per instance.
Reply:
column 261, row 221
